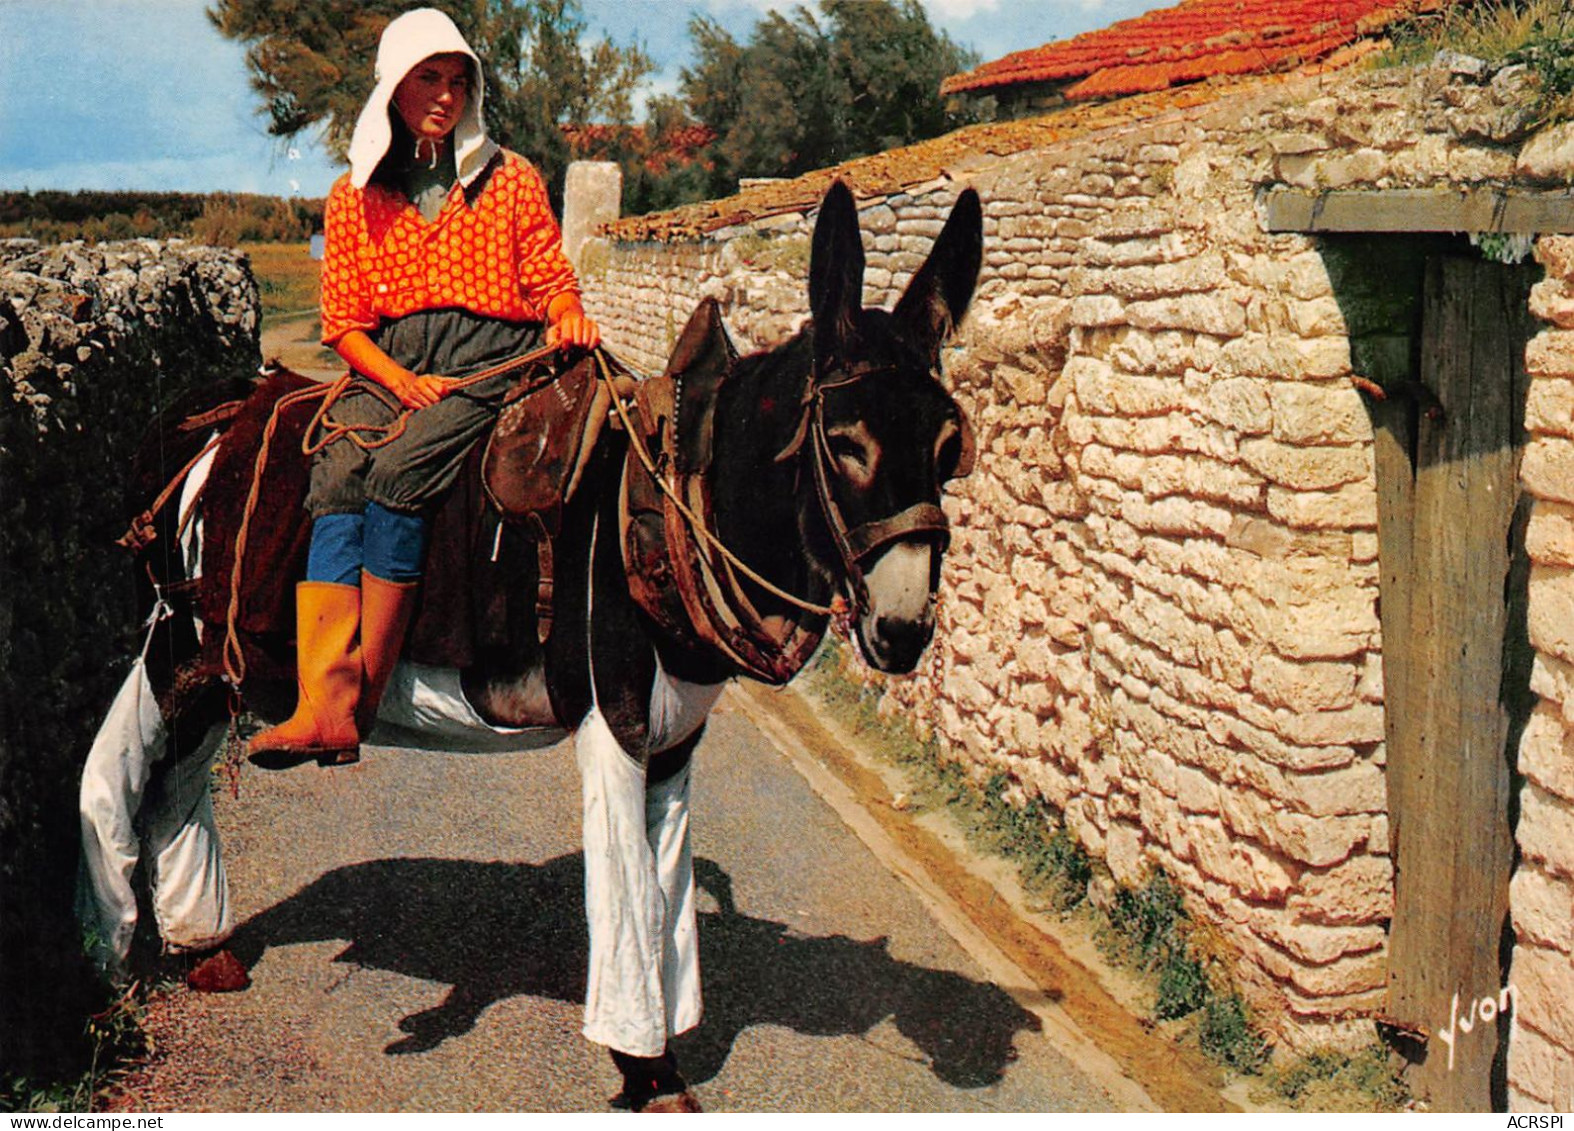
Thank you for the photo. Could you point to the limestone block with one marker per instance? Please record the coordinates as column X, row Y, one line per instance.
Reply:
column 1546, row 752
column 1551, row 614
column 1556, row 254
column 1547, row 469
column 1217, row 314
column 1319, row 842
column 1305, row 276
column 1135, row 396
column 1543, row 908
column 1471, row 163
column 1317, row 468
column 1360, row 788
column 1549, row 156
column 1123, row 853
column 1352, row 507
column 1550, row 354
column 1168, row 828
column 1552, row 300
column 1544, row 982
column 1303, row 685
column 1370, row 686
column 1360, row 890
column 1314, row 318
column 1231, row 859
column 1097, row 310
column 1546, row 830
column 1196, row 791
column 1329, row 625
column 1315, row 943
column 1318, row 413
column 1540, row 1072
column 1349, row 975
column 1549, row 407
column 1422, row 163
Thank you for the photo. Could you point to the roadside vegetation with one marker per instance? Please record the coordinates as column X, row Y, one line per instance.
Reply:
column 288, row 278
column 1538, row 34
column 221, row 219
column 1144, row 929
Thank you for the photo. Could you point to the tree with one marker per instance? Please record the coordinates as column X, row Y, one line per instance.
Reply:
column 311, row 64
column 806, row 92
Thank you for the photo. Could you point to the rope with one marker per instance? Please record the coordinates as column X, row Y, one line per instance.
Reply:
column 695, row 522
column 234, row 659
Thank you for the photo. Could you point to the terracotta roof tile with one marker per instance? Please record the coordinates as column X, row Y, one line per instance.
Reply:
column 1196, row 40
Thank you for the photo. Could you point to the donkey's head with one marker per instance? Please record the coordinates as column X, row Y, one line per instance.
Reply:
column 885, row 435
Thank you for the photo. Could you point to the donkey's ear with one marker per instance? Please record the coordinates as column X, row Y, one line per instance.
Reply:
column 836, row 271
column 937, row 298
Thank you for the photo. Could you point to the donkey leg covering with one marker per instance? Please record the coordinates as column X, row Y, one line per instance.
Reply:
column 643, row 985
column 190, row 893
column 125, row 752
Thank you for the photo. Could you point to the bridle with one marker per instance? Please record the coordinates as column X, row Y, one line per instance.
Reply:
column 856, row 544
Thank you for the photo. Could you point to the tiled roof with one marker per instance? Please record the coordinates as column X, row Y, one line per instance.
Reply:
column 1198, row 39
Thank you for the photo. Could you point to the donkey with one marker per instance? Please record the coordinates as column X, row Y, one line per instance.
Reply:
column 816, row 468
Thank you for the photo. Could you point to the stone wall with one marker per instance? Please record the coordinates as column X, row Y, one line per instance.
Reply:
column 93, row 341
column 1541, row 1057
column 1160, row 608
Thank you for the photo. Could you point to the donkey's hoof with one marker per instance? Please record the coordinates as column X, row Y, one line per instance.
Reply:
column 216, row 972
column 683, row 1101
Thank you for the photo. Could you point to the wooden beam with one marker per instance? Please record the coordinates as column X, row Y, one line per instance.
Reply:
column 1515, row 211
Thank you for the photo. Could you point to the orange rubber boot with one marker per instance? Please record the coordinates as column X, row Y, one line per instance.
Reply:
column 386, row 607
column 328, row 666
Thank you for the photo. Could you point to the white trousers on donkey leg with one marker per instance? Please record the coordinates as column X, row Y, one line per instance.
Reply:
column 132, row 795
column 644, row 980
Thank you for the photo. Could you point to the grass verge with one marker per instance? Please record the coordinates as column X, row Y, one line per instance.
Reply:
column 116, row 1042
column 1146, row 929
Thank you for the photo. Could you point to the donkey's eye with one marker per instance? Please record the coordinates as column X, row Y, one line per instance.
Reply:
column 855, row 457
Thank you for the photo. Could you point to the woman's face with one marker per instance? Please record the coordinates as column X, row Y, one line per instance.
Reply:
column 432, row 97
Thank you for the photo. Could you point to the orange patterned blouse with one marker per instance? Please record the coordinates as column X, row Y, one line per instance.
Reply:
column 500, row 256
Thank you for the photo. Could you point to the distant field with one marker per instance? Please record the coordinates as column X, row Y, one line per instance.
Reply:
column 287, row 276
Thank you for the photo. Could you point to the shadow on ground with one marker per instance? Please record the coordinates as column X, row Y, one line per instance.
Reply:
column 492, row 931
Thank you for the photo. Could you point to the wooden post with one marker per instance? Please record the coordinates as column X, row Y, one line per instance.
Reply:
column 1447, row 612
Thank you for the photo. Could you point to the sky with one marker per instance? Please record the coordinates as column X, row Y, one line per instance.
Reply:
column 146, row 95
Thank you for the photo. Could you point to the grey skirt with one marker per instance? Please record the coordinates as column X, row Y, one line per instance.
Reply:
column 413, row 472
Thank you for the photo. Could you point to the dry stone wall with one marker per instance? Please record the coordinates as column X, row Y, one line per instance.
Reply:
column 1160, row 611
column 1541, row 897
column 93, row 341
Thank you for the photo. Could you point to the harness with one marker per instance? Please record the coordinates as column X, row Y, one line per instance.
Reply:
column 688, row 581
column 678, row 571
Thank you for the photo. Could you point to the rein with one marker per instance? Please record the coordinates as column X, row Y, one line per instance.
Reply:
column 696, row 523
column 853, row 544
column 234, row 658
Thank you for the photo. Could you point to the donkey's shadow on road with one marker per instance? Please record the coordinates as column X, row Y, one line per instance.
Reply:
column 492, row 931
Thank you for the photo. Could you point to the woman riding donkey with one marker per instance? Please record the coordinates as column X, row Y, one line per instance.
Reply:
column 442, row 259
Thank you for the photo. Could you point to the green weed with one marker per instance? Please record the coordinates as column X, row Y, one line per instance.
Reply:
column 1536, row 33
column 1146, row 927
column 116, row 1039
column 1325, row 1079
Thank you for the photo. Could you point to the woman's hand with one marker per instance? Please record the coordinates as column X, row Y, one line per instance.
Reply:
column 421, row 390
column 573, row 327
column 414, row 390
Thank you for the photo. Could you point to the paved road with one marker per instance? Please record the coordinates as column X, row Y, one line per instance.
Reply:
column 417, row 943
